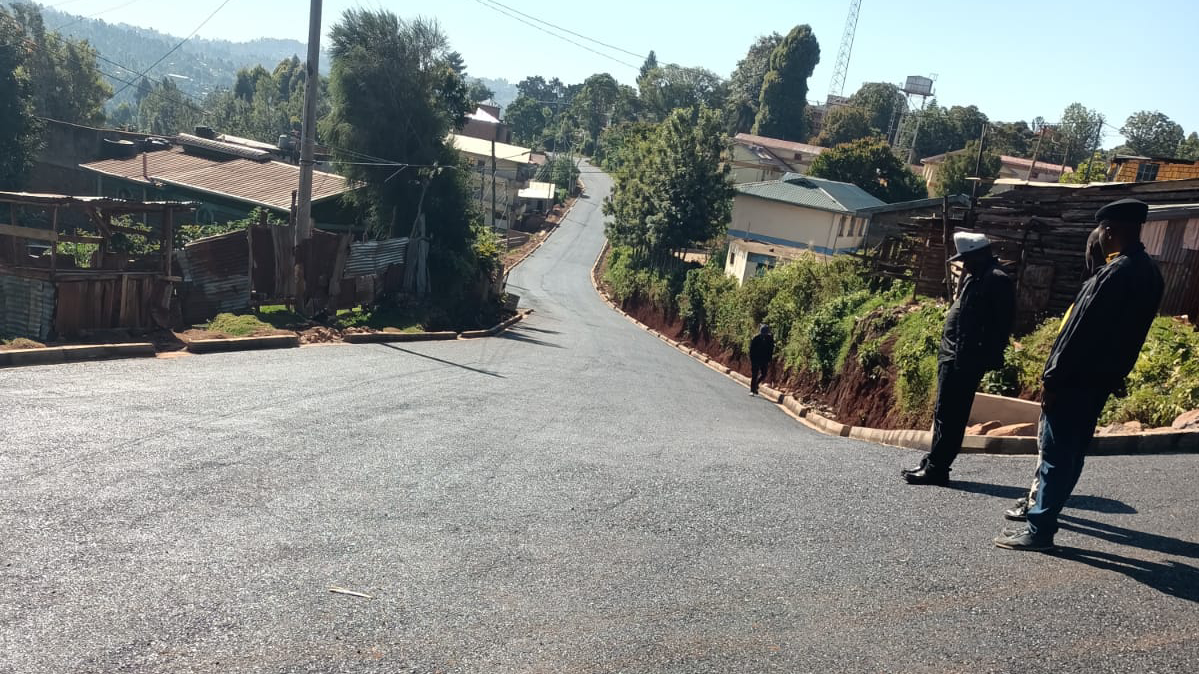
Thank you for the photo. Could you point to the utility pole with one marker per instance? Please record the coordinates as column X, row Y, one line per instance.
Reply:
column 493, row 183
column 1095, row 148
column 307, row 148
column 1035, row 152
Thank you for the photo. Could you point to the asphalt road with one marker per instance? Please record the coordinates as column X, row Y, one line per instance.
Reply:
column 573, row 497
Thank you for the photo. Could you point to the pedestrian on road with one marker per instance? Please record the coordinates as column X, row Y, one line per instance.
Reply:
column 1095, row 259
column 976, row 332
column 1098, row 344
column 761, row 353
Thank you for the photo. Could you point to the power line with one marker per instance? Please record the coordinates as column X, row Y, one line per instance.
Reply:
column 560, row 37
column 173, row 49
column 566, row 30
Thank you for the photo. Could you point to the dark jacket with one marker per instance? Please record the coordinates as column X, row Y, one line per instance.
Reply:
column 1103, row 335
column 761, row 348
column 979, row 322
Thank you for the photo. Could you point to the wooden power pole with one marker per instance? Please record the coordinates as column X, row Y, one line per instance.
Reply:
column 307, row 149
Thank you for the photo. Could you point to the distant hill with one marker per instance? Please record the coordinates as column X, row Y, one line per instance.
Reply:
column 505, row 92
column 198, row 67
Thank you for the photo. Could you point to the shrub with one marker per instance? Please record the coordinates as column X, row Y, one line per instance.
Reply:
column 918, row 338
column 1165, row 380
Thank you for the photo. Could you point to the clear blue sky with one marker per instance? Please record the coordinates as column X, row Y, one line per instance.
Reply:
column 1017, row 60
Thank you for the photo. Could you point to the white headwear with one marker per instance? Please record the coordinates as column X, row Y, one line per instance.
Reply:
column 968, row 242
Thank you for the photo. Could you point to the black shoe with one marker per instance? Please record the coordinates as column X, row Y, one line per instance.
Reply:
column 927, row 475
column 908, row 471
column 1023, row 539
column 1019, row 511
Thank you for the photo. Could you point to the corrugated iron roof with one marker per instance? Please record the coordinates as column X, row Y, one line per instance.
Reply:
column 109, row 203
column 268, row 184
column 809, row 192
column 777, row 144
column 482, row 148
column 537, row 190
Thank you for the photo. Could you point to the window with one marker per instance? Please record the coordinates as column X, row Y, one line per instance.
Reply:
column 1147, row 173
column 841, row 226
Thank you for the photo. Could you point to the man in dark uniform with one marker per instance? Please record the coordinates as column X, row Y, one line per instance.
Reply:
column 976, row 332
column 1095, row 350
column 761, row 352
column 1095, row 259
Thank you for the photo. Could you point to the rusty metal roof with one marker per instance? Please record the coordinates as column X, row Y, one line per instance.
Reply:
column 106, row 203
column 268, row 184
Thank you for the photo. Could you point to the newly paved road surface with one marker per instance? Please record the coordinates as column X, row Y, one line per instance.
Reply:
column 573, row 497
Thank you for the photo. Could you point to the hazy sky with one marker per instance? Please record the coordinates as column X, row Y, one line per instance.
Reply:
column 1015, row 60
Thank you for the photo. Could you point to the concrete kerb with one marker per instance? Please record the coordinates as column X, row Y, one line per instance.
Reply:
column 67, row 354
column 384, row 337
column 243, row 343
column 496, row 329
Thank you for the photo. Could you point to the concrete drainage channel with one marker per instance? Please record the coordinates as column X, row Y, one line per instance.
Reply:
column 1181, row 442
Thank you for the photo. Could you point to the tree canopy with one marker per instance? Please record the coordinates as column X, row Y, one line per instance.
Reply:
column 745, row 84
column 674, row 191
column 952, row 175
column 1089, row 171
column 784, row 97
column 881, row 102
column 870, row 164
column 669, row 87
column 19, row 129
column 1152, row 134
column 63, row 79
column 844, row 124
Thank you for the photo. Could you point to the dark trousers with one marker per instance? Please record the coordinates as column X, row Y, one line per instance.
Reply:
column 1063, row 438
column 955, row 396
column 757, row 375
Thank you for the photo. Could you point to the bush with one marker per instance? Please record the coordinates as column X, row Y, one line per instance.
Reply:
column 1165, row 380
column 236, row 325
column 918, row 339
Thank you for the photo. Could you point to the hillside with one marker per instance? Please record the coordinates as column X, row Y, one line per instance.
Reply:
column 198, row 67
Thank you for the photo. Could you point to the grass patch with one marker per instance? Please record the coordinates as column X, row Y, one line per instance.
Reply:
column 280, row 317
column 390, row 319
column 236, row 325
column 21, row 343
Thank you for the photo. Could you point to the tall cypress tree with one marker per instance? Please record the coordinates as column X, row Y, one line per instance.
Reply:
column 785, row 88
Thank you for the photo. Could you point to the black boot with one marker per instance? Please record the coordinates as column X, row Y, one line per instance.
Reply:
column 927, row 474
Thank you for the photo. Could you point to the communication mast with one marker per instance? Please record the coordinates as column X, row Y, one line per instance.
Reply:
column 836, row 87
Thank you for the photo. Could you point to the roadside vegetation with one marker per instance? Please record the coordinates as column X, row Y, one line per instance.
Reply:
column 837, row 330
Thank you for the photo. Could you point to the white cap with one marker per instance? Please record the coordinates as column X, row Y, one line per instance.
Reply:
column 968, row 242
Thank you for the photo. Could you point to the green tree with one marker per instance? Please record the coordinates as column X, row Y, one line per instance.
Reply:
column 870, row 164
column 478, row 92
column 1092, row 171
column 63, row 78
column 396, row 95
column 1152, row 134
column 952, row 175
column 592, row 108
column 1015, row 139
column 166, row 111
column 675, row 191
column 882, row 103
column 785, row 87
column 745, row 84
column 528, row 120
column 1189, row 148
column 666, row 88
column 844, row 124
column 1076, row 133
column 20, row 130
column 650, row 63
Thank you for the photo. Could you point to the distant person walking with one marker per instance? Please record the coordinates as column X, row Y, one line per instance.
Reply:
column 976, row 332
column 1098, row 344
column 761, row 353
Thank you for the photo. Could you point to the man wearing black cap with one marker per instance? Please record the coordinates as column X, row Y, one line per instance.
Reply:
column 1095, row 350
column 976, row 332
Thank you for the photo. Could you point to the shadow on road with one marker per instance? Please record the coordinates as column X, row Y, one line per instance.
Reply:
column 1131, row 537
column 529, row 328
column 1173, row 578
column 516, row 335
column 445, row 362
column 1096, row 504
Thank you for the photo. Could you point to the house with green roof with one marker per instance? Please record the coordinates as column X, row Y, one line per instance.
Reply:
column 776, row 220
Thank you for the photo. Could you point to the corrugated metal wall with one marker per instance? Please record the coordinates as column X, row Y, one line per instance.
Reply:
column 374, row 257
column 216, row 274
column 26, row 307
